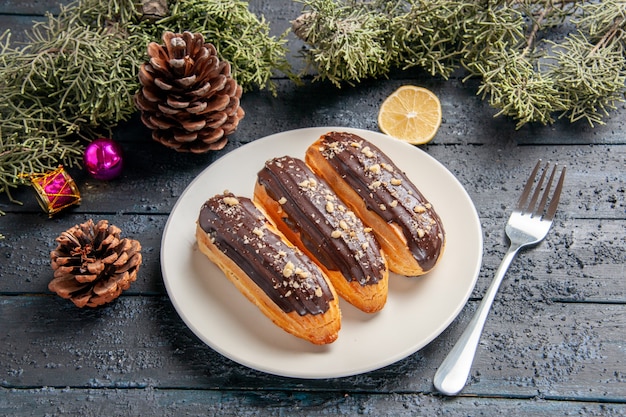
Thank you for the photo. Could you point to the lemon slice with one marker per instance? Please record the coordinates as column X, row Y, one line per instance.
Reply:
column 411, row 114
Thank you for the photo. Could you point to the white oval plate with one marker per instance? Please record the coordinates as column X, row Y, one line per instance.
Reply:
column 417, row 309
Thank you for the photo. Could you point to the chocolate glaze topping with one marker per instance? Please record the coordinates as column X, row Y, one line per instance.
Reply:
column 387, row 191
column 328, row 229
column 285, row 274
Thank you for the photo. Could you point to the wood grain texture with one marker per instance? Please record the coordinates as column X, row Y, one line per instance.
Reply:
column 31, row 7
column 550, row 349
column 554, row 343
column 280, row 403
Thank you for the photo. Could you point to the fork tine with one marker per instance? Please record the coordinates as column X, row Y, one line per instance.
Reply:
column 533, row 200
column 557, row 195
column 546, row 191
column 529, row 185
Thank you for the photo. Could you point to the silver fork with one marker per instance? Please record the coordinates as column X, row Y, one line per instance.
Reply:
column 528, row 225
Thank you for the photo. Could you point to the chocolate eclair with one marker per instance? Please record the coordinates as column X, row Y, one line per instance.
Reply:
column 367, row 180
column 309, row 213
column 277, row 277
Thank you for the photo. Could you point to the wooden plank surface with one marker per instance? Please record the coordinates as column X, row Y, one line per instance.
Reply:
column 584, row 263
column 162, row 403
column 564, row 350
column 554, row 343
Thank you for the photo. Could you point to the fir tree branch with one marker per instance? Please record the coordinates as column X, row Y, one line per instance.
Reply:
column 614, row 32
column 501, row 42
column 76, row 76
column 545, row 10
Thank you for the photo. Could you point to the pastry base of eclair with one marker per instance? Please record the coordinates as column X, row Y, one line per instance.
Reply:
column 367, row 298
column 319, row 329
column 389, row 234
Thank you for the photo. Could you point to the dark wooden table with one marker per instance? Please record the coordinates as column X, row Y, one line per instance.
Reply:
column 554, row 344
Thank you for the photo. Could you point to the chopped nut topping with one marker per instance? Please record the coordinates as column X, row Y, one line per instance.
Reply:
column 419, row 209
column 231, row 201
column 420, row 233
column 289, row 269
column 282, row 201
column 374, row 185
column 396, row 181
column 367, row 152
column 355, row 144
column 383, row 207
column 258, row 232
column 374, row 168
column 302, row 274
column 330, row 207
column 394, row 203
column 343, row 224
column 336, row 234
column 318, row 292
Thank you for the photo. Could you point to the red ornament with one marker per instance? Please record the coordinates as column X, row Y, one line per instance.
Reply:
column 103, row 159
column 56, row 190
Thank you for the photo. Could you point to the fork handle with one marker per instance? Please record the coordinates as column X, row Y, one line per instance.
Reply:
column 452, row 375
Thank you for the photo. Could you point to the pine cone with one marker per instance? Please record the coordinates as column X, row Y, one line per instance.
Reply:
column 92, row 265
column 189, row 98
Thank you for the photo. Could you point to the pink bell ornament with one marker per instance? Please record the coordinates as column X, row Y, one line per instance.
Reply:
column 103, row 159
